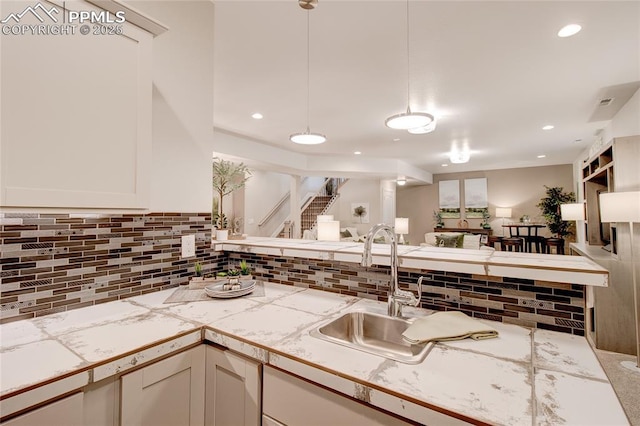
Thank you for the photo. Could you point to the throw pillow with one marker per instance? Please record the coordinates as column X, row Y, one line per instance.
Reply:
column 345, row 234
column 471, row 241
column 451, row 241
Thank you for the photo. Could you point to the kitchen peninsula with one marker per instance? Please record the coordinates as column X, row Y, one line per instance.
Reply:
column 523, row 377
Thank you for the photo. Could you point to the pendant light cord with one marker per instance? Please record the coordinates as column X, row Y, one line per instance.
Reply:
column 308, row 61
column 408, row 64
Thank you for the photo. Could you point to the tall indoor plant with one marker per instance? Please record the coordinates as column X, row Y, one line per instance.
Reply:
column 550, row 208
column 227, row 177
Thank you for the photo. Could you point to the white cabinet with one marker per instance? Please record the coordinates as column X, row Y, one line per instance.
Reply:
column 75, row 110
column 288, row 400
column 232, row 389
column 168, row 392
column 65, row 412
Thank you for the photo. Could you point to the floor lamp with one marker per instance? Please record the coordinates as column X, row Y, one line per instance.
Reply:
column 624, row 207
column 503, row 212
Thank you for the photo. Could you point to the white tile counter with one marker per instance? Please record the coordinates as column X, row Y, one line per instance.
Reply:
column 523, row 377
column 544, row 267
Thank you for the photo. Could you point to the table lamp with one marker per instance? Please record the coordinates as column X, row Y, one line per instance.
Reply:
column 503, row 212
column 572, row 211
column 624, row 207
column 324, row 218
column 402, row 227
column 329, row 230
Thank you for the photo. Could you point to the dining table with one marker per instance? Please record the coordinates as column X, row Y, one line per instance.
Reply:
column 528, row 232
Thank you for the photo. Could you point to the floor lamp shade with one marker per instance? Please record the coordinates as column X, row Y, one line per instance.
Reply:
column 503, row 212
column 572, row 211
column 329, row 230
column 620, row 207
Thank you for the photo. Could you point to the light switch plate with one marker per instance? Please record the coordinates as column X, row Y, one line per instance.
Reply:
column 188, row 245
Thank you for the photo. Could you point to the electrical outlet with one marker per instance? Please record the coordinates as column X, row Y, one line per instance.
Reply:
column 188, row 245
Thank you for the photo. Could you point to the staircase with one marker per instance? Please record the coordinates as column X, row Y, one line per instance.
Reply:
column 318, row 206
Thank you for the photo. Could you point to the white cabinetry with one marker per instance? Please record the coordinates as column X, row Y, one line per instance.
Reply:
column 65, row 412
column 291, row 401
column 232, row 389
column 169, row 392
column 75, row 111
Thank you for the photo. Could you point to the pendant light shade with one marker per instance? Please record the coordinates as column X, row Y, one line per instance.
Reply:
column 307, row 137
column 423, row 130
column 409, row 120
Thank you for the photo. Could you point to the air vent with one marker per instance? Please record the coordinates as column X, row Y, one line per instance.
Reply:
column 605, row 102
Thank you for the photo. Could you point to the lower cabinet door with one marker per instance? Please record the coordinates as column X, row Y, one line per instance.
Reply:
column 291, row 401
column 232, row 392
column 169, row 392
column 65, row 412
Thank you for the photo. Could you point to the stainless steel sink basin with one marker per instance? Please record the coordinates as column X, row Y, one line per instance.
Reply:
column 373, row 333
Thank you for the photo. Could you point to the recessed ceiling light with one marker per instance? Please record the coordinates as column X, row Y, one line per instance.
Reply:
column 541, row 156
column 547, row 127
column 577, row 141
column 569, row 30
column 396, row 139
column 444, row 165
column 357, row 152
column 257, row 116
column 401, row 181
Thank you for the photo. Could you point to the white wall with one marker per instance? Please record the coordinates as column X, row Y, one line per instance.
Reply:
column 627, row 121
column 182, row 105
column 261, row 192
column 358, row 191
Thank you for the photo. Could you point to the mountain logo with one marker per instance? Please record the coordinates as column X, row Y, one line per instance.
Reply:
column 38, row 11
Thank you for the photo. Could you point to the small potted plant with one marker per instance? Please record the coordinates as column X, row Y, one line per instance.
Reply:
column 227, row 177
column 437, row 218
column 198, row 280
column 233, row 280
column 485, row 219
column 245, row 270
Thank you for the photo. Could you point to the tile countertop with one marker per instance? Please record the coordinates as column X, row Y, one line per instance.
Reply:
column 545, row 267
column 523, row 377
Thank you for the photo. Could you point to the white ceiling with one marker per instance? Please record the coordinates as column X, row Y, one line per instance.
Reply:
column 493, row 72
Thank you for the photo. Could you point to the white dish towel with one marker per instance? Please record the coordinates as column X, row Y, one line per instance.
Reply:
column 450, row 325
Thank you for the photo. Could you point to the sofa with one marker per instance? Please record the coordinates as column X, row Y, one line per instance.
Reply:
column 454, row 240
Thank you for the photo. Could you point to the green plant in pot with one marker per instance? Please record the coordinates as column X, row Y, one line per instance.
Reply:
column 227, row 177
column 485, row 219
column 437, row 218
column 198, row 269
column 550, row 208
column 245, row 270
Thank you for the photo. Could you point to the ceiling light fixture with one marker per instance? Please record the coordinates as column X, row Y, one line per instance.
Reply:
column 401, row 181
column 459, row 157
column 423, row 130
column 569, row 30
column 357, row 152
column 547, row 127
column 408, row 120
column 257, row 116
column 541, row 156
column 308, row 138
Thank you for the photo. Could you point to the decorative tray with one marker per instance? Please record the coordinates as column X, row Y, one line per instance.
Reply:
column 217, row 290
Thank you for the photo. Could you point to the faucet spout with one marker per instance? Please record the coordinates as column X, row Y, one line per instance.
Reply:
column 397, row 297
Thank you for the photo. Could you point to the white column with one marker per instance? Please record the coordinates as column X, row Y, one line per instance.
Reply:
column 295, row 206
column 388, row 201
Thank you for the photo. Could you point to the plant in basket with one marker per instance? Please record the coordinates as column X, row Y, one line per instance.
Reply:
column 233, row 276
column 245, row 269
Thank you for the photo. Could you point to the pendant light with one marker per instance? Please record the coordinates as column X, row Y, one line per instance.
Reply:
column 308, row 138
column 408, row 120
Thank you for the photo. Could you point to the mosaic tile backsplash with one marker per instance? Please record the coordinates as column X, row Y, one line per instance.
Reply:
column 54, row 262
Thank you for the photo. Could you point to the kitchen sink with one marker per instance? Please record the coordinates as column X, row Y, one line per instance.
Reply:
column 373, row 333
